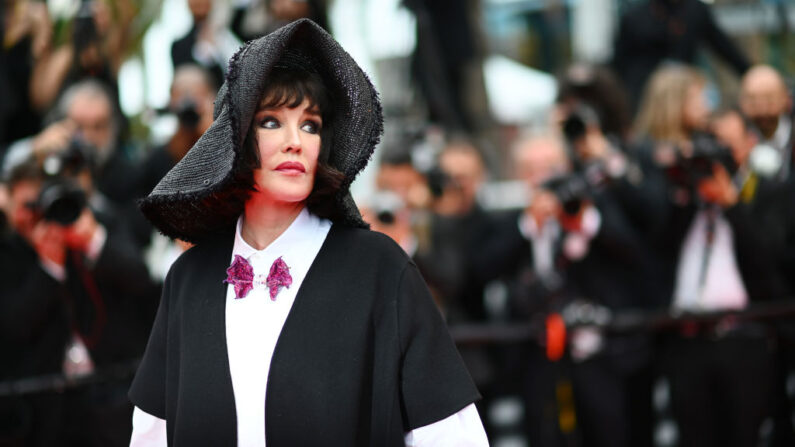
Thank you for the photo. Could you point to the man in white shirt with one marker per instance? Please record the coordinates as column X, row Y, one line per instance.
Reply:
column 719, row 258
column 549, row 255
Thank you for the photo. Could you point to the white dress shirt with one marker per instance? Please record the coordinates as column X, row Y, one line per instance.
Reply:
column 253, row 325
column 707, row 276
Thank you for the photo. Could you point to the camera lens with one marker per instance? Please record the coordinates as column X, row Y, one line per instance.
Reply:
column 61, row 202
column 386, row 217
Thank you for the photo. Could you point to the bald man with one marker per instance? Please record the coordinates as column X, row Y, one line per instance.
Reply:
column 765, row 99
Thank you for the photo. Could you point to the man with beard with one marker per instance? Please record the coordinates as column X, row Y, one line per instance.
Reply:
column 86, row 116
column 764, row 98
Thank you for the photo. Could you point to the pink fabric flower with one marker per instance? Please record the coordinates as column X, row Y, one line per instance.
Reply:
column 278, row 277
column 241, row 275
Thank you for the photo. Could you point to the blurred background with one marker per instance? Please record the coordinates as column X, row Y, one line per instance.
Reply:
column 599, row 193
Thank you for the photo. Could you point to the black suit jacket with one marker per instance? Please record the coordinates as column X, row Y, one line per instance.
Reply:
column 753, row 248
column 38, row 313
column 363, row 355
column 612, row 273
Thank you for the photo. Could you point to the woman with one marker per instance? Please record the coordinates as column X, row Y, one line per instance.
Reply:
column 333, row 321
column 674, row 106
column 674, row 109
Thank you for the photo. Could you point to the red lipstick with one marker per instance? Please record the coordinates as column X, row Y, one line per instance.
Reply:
column 291, row 166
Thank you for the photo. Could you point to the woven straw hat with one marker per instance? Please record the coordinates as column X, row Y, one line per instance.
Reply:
column 185, row 202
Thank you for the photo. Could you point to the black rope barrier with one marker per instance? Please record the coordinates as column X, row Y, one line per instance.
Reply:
column 617, row 323
column 578, row 315
column 58, row 383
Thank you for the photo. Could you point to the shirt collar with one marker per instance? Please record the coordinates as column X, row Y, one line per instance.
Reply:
column 290, row 241
column 781, row 136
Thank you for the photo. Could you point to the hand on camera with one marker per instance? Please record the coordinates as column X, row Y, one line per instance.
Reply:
column 719, row 188
column 593, row 145
column 572, row 223
column 49, row 241
column 79, row 235
column 54, row 138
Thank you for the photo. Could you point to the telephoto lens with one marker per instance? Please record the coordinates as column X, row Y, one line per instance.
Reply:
column 61, row 201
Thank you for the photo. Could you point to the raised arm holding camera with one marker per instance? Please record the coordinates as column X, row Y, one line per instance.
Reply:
column 714, row 255
column 570, row 244
column 75, row 298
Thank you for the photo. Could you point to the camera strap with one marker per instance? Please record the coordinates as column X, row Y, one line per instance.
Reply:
column 87, row 280
column 711, row 215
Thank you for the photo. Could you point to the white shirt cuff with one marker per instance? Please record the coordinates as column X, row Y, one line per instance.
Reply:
column 148, row 430
column 57, row 271
column 528, row 227
column 462, row 429
column 96, row 243
column 591, row 222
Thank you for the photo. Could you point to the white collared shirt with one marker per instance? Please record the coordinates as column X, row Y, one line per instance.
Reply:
column 707, row 276
column 780, row 141
column 253, row 325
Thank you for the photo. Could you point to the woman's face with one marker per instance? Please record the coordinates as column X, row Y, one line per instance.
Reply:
column 695, row 113
column 288, row 140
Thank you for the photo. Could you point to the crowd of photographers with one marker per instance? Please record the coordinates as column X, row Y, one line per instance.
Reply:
column 673, row 206
column 685, row 208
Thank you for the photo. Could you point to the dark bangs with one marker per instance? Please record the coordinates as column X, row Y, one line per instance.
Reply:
column 290, row 87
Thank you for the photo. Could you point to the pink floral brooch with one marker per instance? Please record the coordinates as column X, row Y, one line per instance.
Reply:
column 241, row 275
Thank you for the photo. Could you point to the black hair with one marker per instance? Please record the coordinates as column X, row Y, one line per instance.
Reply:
column 28, row 170
column 290, row 87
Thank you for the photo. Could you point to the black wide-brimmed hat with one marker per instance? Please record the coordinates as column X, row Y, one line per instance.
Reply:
column 185, row 203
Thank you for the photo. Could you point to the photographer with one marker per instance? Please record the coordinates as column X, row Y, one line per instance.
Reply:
column 767, row 102
column 99, row 39
column 455, row 219
column 191, row 101
column 192, row 96
column 74, row 299
column 86, row 115
column 570, row 243
column 717, row 255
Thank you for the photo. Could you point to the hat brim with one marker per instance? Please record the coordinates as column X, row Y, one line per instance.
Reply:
column 183, row 204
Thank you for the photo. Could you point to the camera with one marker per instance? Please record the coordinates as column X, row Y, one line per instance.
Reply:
column 187, row 113
column 61, row 200
column 707, row 151
column 573, row 189
column 577, row 122
column 439, row 181
column 385, row 206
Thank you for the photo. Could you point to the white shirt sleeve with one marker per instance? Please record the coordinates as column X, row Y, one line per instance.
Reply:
column 148, row 430
column 463, row 429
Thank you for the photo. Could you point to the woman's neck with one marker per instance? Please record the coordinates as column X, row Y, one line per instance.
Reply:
column 265, row 220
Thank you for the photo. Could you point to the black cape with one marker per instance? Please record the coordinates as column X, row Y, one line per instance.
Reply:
column 363, row 357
